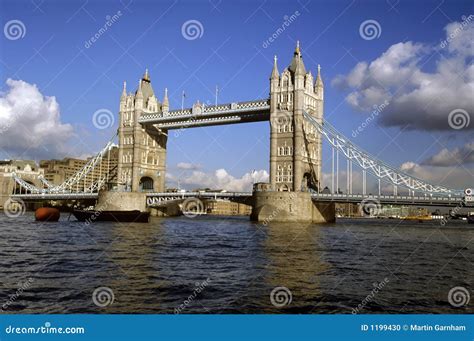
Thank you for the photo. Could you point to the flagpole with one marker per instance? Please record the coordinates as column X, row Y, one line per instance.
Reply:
column 217, row 91
column 182, row 101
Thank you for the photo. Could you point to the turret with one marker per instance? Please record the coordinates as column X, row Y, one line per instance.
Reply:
column 297, row 68
column 166, row 104
column 139, row 96
column 124, row 91
column 123, row 97
column 146, row 76
column 319, row 86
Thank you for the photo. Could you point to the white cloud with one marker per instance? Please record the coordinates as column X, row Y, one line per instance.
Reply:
column 455, row 157
column 455, row 177
column 220, row 179
column 188, row 166
column 418, row 99
column 30, row 123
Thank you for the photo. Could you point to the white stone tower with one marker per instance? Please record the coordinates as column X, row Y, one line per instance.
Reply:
column 295, row 146
column 142, row 149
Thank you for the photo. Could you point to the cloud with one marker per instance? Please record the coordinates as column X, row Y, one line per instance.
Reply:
column 455, row 177
column 457, row 156
column 417, row 99
column 220, row 179
column 188, row 166
column 30, row 123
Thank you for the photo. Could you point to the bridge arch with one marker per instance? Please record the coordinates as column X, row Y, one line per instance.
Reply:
column 146, row 184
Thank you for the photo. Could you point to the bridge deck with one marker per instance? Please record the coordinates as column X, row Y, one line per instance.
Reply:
column 241, row 112
column 160, row 198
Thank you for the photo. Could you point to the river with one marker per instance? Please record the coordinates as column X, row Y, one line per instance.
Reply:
column 231, row 265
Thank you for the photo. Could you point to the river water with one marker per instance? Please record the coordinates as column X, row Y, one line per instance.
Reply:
column 231, row 265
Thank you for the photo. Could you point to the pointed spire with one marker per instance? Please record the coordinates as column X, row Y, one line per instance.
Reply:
column 166, row 103
column 124, row 91
column 297, row 49
column 297, row 65
column 146, row 76
column 139, row 91
column 319, row 81
column 275, row 74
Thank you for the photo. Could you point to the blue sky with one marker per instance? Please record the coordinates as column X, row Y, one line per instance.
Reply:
column 230, row 53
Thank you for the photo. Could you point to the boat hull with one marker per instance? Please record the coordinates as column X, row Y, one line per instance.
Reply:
column 115, row 216
column 470, row 219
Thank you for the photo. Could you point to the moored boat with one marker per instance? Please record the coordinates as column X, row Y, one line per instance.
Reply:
column 47, row 214
column 90, row 216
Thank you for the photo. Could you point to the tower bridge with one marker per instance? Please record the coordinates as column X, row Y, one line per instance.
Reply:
column 295, row 111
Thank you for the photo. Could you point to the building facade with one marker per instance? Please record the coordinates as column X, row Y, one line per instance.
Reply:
column 58, row 171
column 27, row 170
column 226, row 207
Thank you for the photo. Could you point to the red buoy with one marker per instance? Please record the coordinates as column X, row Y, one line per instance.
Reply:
column 47, row 214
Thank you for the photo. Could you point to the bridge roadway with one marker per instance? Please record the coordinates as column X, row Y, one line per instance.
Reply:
column 203, row 115
column 160, row 199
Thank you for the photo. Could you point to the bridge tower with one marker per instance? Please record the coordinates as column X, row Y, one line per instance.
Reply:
column 142, row 149
column 295, row 146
